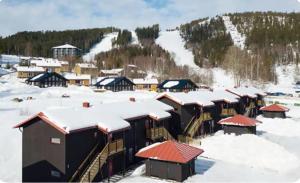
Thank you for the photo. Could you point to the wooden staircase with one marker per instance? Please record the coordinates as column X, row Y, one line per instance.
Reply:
column 158, row 133
column 194, row 125
column 249, row 108
column 95, row 166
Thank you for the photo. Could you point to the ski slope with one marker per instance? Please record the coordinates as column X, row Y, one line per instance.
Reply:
column 237, row 38
column 175, row 45
column 103, row 46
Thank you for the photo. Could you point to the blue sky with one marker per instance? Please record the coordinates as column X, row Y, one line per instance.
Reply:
column 30, row 15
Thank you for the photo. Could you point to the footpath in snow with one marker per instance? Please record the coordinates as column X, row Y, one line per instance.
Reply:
column 103, row 46
column 238, row 38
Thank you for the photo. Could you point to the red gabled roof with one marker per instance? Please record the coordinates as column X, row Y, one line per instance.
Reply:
column 274, row 108
column 171, row 151
column 238, row 120
column 43, row 117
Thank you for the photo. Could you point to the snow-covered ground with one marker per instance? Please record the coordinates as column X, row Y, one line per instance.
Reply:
column 104, row 45
column 272, row 155
column 12, row 113
column 237, row 38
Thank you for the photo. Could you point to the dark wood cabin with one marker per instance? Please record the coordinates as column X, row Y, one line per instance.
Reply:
column 170, row 160
column 115, row 84
column 177, row 85
column 238, row 125
column 88, row 151
column 274, row 111
column 47, row 79
column 191, row 116
column 248, row 102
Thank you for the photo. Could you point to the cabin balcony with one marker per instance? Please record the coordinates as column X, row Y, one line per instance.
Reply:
column 158, row 133
column 115, row 147
column 228, row 112
column 206, row 116
column 261, row 103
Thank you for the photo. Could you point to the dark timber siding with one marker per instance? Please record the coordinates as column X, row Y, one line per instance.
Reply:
column 186, row 112
column 40, row 156
column 169, row 170
column 268, row 114
column 238, row 130
column 79, row 145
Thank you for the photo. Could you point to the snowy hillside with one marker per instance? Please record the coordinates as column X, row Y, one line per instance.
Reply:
column 174, row 44
column 103, row 46
column 237, row 38
column 135, row 40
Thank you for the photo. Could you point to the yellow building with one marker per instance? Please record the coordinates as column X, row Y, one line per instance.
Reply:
column 27, row 72
column 64, row 66
column 81, row 80
column 146, row 84
column 86, row 68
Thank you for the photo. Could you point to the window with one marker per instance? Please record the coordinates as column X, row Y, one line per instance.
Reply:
column 55, row 140
column 55, row 173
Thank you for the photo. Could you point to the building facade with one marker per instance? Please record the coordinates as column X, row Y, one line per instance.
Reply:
column 64, row 51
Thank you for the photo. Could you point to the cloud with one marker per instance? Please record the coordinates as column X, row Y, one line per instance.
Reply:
column 21, row 15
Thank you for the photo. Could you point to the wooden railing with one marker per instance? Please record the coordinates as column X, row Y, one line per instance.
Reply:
column 261, row 103
column 193, row 127
column 95, row 166
column 228, row 112
column 185, row 139
column 157, row 133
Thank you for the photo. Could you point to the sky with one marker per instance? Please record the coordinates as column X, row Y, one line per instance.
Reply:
column 32, row 15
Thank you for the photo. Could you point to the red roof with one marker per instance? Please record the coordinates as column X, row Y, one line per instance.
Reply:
column 274, row 108
column 44, row 118
column 238, row 120
column 171, row 151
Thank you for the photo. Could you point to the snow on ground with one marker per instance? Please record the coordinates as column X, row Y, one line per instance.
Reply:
column 287, row 77
column 222, row 79
column 12, row 113
column 237, row 38
column 104, row 45
column 249, row 150
column 175, row 45
column 272, row 155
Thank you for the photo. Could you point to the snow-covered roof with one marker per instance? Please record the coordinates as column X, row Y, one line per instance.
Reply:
column 219, row 95
column 141, row 81
column 112, row 71
column 170, row 84
column 188, row 98
column 86, row 65
column 246, row 91
column 107, row 117
column 30, row 69
column 72, row 76
column 64, row 46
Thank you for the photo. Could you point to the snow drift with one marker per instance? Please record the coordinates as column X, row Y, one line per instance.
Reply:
column 249, row 150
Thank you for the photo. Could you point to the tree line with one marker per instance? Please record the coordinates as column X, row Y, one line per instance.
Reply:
column 39, row 43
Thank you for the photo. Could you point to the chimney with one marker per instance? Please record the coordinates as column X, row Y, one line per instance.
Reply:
column 132, row 99
column 86, row 104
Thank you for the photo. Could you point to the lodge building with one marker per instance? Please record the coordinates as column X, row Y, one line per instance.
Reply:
column 115, row 84
column 64, row 51
column 251, row 100
column 177, row 85
column 47, row 79
column 92, row 143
